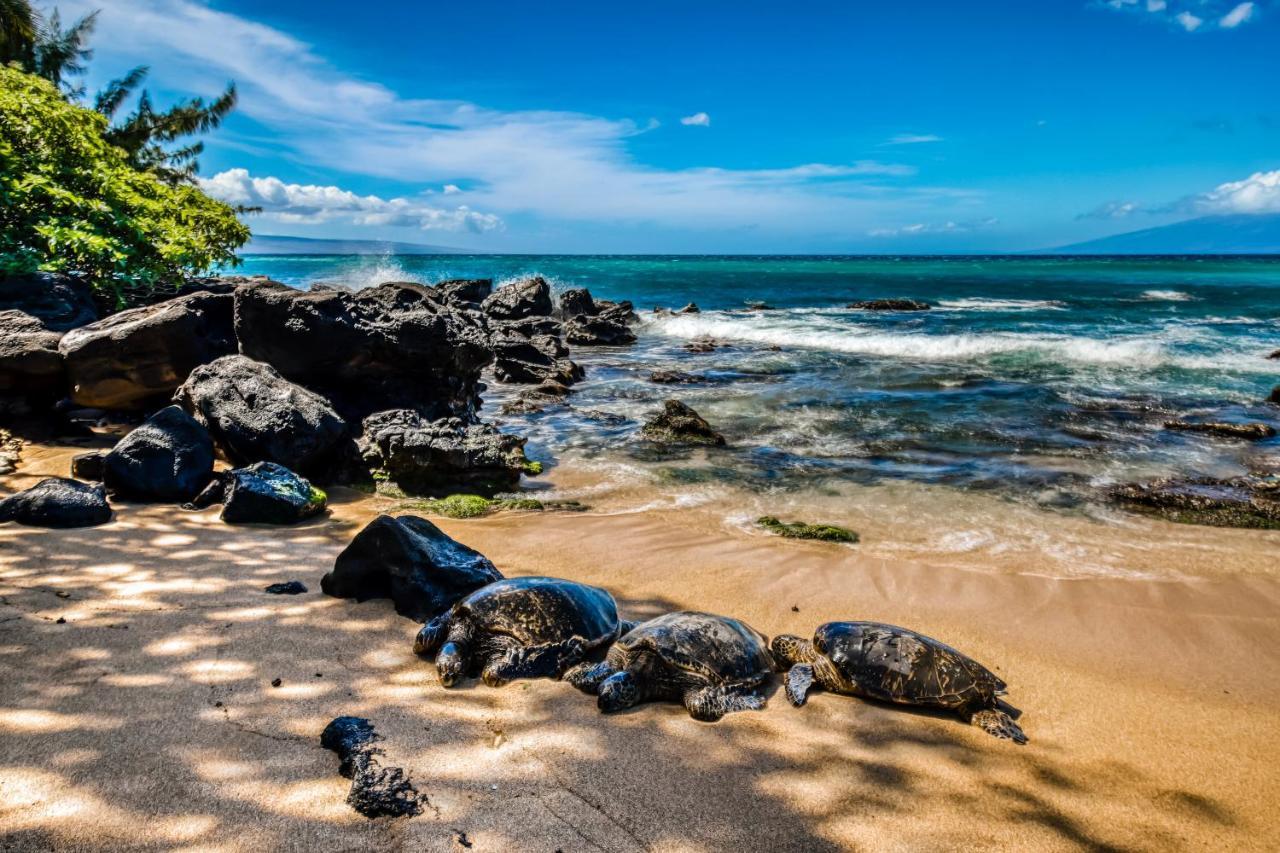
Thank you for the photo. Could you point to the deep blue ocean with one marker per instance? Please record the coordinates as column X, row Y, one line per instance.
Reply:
column 1046, row 377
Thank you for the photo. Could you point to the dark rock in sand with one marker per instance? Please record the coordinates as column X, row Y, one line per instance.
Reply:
column 679, row 424
column 394, row 345
column 263, row 493
column 528, row 298
column 255, row 414
column 411, row 561
column 1250, row 431
column 597, row 331
column 168, row 459
column 32, row 376
column 376, row 791
column 288, row 588
column 465, row 292
column 59, row 301
column 136, row 357
column 577, row 301
column 675, row 377
column 1242, row 502
column 57, row 502
column 89, row 466
column 424, row 456
column 890, row 305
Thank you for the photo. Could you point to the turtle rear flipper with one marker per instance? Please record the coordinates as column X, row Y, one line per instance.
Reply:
column 709, row 704
column 998, row 724
column 800, row 679
column 546, row 661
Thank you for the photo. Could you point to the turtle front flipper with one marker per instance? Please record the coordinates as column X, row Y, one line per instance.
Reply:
column 709, row 704
column 431, row 636
column 997, row 724
column 546, row 661
column 588, row 676
column 800, row 680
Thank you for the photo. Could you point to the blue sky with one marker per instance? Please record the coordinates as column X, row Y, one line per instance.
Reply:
column 717, row 127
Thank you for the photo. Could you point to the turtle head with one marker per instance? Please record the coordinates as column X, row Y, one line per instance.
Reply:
column 451, row 664
column 789, row 650
column 618, row 692
column 431, row 636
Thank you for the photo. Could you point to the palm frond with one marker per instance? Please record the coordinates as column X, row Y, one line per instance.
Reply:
column 110, row 99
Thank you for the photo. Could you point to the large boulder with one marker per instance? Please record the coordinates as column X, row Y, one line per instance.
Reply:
column 60, row 302
column 411, row 561
column 31, row 372
column 465, row 292
column 679, row 424
column 398, row 344
column 576, row 301
column 424, row 456
column 169, row 458
column 132, row 359
column 599, row 330
column 57, row 502
column 530, row 359
column 530, row 297
column 263, row 493
column 255, row 414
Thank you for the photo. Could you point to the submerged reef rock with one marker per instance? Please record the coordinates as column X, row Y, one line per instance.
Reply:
column 802, row 530
column 376, row 791
column 395, row 345
column 256, row 415
column 57, row 502
column 679, row 424
column 530, row 297
column 1250, row 432
column 411, row 561
column 1241, row 502
column 169, row 458
column 263, row 493
column 890, row 305
column 422, row 456
column 475, row 506
column 132, row 359
column 675, row 377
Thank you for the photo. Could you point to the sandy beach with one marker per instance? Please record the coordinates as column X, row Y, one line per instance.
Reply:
column 148, row 720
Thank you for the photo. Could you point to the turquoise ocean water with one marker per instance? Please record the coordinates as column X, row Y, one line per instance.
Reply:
column 1041, row 379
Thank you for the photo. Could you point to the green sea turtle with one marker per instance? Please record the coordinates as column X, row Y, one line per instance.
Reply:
column 894, row 664
column 520, row 628
column 713, row 664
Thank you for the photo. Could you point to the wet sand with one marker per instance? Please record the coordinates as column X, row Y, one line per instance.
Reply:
column 148, row 719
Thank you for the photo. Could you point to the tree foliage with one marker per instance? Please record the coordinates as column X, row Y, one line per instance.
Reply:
column 71, row 201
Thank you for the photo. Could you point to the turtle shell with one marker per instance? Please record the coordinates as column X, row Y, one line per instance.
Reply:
column 541, row 610
column 719, row 649
column 898, row 665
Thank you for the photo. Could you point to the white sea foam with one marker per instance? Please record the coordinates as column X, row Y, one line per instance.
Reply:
column 1166, row 296
column 976, row 303
column 367, row 274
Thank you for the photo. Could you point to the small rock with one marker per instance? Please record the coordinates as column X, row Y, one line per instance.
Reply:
column 61, row 620
column 275, row 682
column 675, row 377
column 890, row 305
column 801, row 530
column 62, row 593
column 691, row 308
column 376, row 791
column 1250, row 431
column 756, row 305
column 679, row 424
column 290, row 588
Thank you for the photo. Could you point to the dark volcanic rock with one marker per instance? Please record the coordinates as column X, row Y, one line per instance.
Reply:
column 139, row 356
column 691, row 308
column 256, row 415
column 523, row 359
column 57, row 502
column 1249, row 432
column 618, row 312
column 528, row 298
column 411, row 561
column 169, row 459
column 1275, row 354
column 675, row 377
column 704, row 345
column 89, row 466
column 597, row 331
column 679, row 424
column 388, row 346
column 424, row 456
column 576, row 301
column 60, row 302
column 287, row 588
column 890, row 305
column 465, row 292
column 1241, row 502
column 376, row 791
column 1275, row 395
column 32, row 376
column 263, row 493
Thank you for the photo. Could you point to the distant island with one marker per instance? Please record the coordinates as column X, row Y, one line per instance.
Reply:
column 1242, row 234
column 272, row 244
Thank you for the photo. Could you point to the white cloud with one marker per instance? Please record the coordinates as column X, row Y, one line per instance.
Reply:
column 451, row 189
column 1236, row 16
column 1156, row 5
column 307, row 203
column 1189, row 22
column 697, row 120
column 1258, row 193
column 913, row 139
column 948, row 227
column 1111, row 210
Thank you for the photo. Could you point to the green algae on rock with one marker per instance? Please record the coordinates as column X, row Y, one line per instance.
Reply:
column 803, row 530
